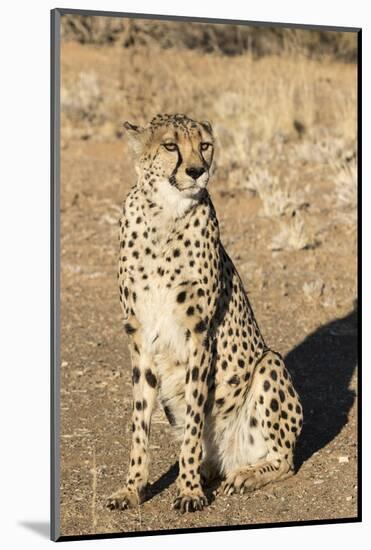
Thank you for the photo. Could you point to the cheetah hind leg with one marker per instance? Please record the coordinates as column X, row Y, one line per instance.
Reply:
column 275, row 411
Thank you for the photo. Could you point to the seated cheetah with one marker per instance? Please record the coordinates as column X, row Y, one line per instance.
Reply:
column 194, row 341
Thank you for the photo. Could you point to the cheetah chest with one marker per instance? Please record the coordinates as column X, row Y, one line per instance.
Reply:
column 157, row 311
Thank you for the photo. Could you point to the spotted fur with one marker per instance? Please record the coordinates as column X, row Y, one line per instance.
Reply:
column 194, row 341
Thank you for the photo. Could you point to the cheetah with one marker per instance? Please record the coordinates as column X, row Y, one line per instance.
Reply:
column 194, row 342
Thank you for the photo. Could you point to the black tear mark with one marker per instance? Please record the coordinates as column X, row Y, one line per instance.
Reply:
column 172, row 179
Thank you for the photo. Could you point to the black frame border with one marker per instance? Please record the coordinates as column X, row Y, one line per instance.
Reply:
column 55, row 272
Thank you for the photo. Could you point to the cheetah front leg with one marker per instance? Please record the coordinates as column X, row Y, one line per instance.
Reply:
column 144, row 397
column 190, row 496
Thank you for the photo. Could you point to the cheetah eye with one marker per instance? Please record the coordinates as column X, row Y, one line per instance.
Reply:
column 205, row 146
column 170, row 146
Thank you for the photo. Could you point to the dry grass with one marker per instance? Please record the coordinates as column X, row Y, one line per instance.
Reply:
column 284, row 182
column 246, row 100
column 267, row 115
column 293, row 235
column 223, row 39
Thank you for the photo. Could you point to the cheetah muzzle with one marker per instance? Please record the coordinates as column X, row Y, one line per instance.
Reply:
column 194, row 342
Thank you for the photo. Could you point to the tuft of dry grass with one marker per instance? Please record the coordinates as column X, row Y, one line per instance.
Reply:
column 313, row 290
column 346, row 184
column 277, row 196
column 293, row 235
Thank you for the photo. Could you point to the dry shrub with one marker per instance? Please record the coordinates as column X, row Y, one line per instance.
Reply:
column 346, row 184
column 252, row 104
column 218, row 38
column 80, row 99
column 278, row 197
column 293, row 235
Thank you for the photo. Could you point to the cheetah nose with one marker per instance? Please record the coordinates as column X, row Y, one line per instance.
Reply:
column 195, row 171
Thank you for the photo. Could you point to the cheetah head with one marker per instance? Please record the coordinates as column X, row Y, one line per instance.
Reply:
column 173, row 151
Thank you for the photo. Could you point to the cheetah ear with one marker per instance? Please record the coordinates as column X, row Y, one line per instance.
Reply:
column 205, row 124
column 136, row 136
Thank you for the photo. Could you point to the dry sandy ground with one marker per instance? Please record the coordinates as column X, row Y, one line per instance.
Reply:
column 316, row 333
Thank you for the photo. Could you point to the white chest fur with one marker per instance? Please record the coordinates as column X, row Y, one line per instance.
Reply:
column 160, row 327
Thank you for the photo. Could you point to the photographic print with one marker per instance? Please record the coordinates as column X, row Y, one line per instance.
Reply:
column 205, row 235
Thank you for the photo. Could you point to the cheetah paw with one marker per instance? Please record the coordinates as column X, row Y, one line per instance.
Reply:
column 189, row 503
column 122, row 500
column 239, row 482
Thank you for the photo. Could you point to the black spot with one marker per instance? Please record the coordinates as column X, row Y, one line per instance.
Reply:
column 234, row 381
column 220, row 402
column 282, row 395
column 291, row 391
column 151, row 378
column 274, row 375
column 274, row 405
column 253, row 422
column 195, row 373
column 129, row 328
column 136, row 375
column 138, row 405
column 200, row 327
column 176, row 253
column 181, row 297
column 266, row 385
column 190, row 311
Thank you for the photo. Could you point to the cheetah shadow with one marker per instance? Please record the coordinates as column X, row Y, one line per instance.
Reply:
column 322, row 367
